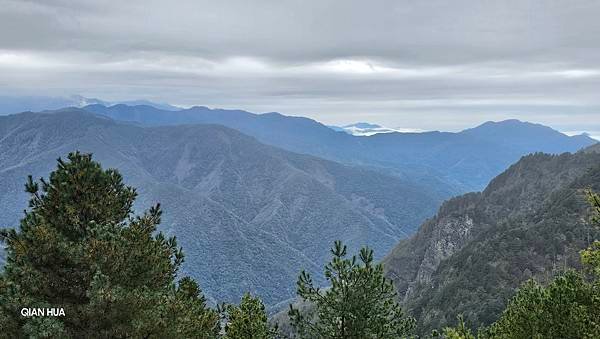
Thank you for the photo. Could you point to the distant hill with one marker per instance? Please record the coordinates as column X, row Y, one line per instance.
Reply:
column 449, row 163
column 249, row 216
column 363, row 129
column 15, row 104
column 526, row 136
column 530, row 221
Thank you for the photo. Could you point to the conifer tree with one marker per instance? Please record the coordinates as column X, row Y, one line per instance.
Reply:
column 590, row 257
column 461, row 331
column 80, row 248
column 248, row 320
column 361, row 302
column 569, row 307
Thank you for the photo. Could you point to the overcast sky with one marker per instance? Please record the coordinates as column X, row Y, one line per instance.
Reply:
column 417, row 64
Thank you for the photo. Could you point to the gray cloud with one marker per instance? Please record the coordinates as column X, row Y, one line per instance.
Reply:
column 411, row 64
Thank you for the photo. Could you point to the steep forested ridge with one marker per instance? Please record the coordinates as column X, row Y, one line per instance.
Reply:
column 529, row 222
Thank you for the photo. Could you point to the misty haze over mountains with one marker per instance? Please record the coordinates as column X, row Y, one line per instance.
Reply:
column 14, row 104
column 368, row 129
column 455, row 162
column 247, row 189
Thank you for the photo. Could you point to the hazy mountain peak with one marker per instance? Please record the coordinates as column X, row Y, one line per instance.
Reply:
column 509, row 123
column 80, row 101
column 159, row 105
column 362, row 125
column 526, row 135
column 516, row 125
column 363, row 129
column 198, row 107
column 17, row 104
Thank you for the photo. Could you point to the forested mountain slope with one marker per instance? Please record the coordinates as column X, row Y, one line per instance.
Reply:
column 529, row 222
column 249, row 216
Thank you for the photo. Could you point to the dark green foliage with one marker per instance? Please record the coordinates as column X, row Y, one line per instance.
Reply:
column 248, row 320
column 591, row 255
column 461, row 331
column 567, row 308
column 531, row 222
column 79, row 248
column 359, row 304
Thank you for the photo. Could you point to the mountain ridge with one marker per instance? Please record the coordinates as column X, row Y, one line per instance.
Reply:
column 15, row 104
column 242, row 210
column 479, row 247
column 454, row 162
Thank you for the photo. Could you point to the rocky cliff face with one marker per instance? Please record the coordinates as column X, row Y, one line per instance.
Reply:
column 529, row 221
column 414, row 260
column 450, row 235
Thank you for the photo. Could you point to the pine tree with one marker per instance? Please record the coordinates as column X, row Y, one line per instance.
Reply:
column 590, row 257
column 461, row 331
column 80, row 248
column 248, row 320
column 569, row 307
column 361, row 302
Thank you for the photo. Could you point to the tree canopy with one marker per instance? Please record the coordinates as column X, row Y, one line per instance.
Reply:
column 80, row 248
column 568, row 307
column 361, row 302
column 247, row 320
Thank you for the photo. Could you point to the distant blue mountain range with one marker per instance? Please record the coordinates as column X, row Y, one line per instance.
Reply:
column 16, row 104
column 450, row 162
